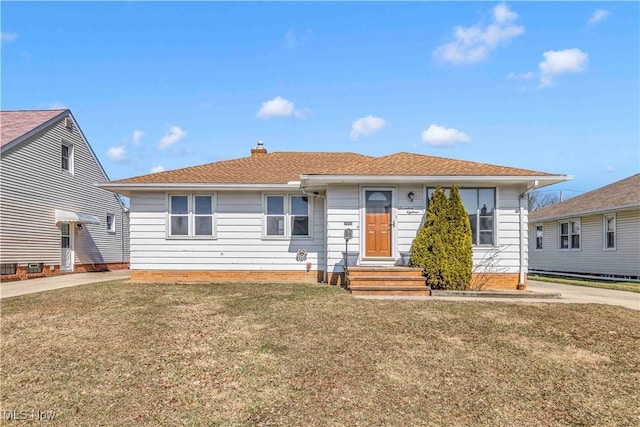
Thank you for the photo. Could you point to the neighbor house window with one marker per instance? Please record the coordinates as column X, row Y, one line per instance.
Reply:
column 286, row 216
column 191, row 215
column 480, row 206
column 111, row 223
column 539, row 235
column 610, row 231
column 67, row 157
column 570, row 234
column 6, row 269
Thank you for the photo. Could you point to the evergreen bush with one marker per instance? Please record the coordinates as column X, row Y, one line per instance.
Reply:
column 443, row 246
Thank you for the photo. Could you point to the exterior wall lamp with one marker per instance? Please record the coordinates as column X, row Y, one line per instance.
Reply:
column 411, row 196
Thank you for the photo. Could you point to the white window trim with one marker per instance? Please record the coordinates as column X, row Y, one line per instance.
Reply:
column 570, row 242
column 495, row 213
column 191, row 226
column 71, row 157
column 535, row 237
column 604, row 232
column 111, row 230
column 287, row 217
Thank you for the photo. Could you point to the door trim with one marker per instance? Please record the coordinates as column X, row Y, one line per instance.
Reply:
column 363, row 227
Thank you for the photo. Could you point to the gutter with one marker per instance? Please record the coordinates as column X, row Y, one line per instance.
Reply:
column 532, row 186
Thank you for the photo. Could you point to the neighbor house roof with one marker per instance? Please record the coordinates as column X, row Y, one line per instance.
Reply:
column 14, row 124
column 284, row 167
column 619, row 195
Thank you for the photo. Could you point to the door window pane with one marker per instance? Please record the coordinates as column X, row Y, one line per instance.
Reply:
column 378, row 202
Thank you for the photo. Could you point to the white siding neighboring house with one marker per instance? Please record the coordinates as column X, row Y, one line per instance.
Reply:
column 53, row 217
column 596, row 233
column 282, row 216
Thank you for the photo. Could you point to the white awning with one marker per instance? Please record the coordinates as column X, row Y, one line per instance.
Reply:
column 66, row 217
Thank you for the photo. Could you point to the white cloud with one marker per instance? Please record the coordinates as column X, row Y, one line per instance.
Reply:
column 158, row 168
column 174, row 135
column 117, row 154
column 561, row 62
column 610, row 169
column 294, row 39
column 598, row 16
column 8, row 37
column 277, row 107
column 52, row 106
column 366, row 126
column 521, row 76
column 473, row 44
column 137, row 136
column 440, row 136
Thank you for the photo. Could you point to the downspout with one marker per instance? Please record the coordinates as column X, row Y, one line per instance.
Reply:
column 326, row 231
column 530, row 188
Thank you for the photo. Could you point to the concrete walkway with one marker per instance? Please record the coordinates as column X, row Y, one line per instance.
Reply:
column 583, row 294
column 569, row 294
column 30, row 286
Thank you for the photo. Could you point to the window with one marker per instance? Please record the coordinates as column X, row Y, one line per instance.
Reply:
column 6, row 269
column 111, row 223
column 191, row 215
column 67, row 157
column 480, row 206
column 570, row 234
column 610, row 231
column 34, row 268
column 286, row 216
column 539, row 235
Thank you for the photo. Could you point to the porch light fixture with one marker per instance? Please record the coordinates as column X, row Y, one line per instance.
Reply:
column 411, row 196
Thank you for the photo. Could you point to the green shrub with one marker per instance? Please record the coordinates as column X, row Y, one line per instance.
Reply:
column 442, row 247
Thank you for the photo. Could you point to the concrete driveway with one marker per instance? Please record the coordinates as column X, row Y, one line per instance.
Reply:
column 583, row 294
column 30, row 286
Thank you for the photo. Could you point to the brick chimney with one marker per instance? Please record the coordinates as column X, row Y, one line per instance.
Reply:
column 259, row 150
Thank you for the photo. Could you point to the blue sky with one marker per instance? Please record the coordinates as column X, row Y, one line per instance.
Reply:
column 539, row 85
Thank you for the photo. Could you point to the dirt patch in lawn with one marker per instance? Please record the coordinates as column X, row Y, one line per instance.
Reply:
column 234, row 354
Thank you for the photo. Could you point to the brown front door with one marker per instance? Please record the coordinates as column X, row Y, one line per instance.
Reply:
column 378, row 223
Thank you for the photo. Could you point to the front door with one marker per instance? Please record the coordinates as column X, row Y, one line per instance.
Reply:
column 66, row 247
column 378, row 223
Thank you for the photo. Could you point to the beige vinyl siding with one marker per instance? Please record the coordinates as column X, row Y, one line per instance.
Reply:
column 34, row 185
column 239, row 242
column 592, row 258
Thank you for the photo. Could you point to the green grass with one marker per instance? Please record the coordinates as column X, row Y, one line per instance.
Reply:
column 618, row 286
column 286, row 354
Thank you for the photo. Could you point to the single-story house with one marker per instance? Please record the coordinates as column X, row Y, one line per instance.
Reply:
column 283, row 216
column 53, row 217
column 594, row 234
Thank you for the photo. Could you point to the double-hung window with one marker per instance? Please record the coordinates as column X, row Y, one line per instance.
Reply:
column 610, row 231
column 569, row 234
column 66, row 155
column 480, row 206
column 286, row 216
column 539, row 236
column 191, row 215
column 111, row 223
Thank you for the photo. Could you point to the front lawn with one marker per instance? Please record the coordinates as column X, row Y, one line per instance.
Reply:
column 233, row 354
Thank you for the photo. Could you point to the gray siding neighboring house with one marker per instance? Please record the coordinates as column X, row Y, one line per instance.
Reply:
column 53, row 216
column 596, row 233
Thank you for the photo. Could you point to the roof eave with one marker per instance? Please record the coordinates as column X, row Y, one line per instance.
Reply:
column 126, row 188
column 537, row 180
